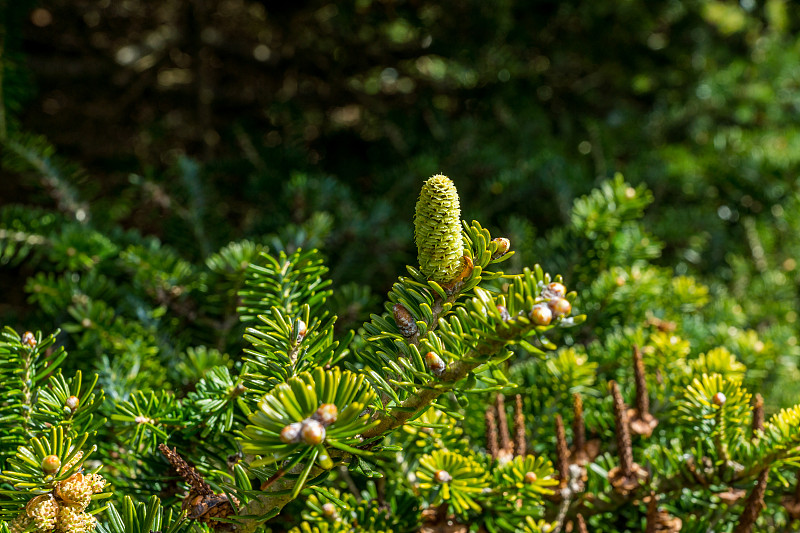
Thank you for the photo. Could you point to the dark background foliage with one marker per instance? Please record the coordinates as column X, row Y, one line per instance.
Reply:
column 314, row 122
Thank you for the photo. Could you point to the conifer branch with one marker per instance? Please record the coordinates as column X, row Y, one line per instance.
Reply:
column 578, row 426
column 754, row 504
column 623, row 435
column 415, row 404
column 492, row 445
column 502, row 423
column 562, row 454
column 520, row 444
column 757, row 425
column 581, row 527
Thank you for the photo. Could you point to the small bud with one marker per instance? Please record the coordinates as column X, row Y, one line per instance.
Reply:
column 466, row 270
column 313, row 431
column 560, row 307
column 503, row 246
column 504, row 314
column 72, row 403
column 541, row 315
column 301, row 330
column 530, row 477
column 29, row 339
column 435, row 363
column 719, row 399
column 554, row 290
column 443, row 476
column 291, row 433
column 405, row 322
column 328, row 510
column 51, row 464
column 326, row 414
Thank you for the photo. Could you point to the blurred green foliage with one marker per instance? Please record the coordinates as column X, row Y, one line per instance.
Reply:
column 327, row 114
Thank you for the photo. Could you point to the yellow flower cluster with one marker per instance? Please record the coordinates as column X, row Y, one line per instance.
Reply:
column 62, row 510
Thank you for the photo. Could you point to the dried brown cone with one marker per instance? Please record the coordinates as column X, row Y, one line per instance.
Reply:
column 562, row 452
column 641, row 421
column 580, row 525
column 731, row 496
column 209, row 509
column 520, row 443
column 753, row 505
column 792, row 503
column 502, row 424
column 662, row 325
column 189, row 474
column 405, row 321
column 659, row 521
column 628, row 475
column 491, row 433
column 201, row 503
column 758, row 415
column 582, row 451
column 578, row 425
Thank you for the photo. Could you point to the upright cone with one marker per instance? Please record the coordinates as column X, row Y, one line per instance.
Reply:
column 437, row 230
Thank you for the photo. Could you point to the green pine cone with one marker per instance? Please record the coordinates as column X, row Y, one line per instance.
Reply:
column 437, row 230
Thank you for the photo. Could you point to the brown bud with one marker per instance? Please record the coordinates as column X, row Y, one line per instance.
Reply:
column 51, row 464
column 291, row 433
column 328, row 510
column 29, row 339
column 301, row 330
column 313, row 431
column 541, row 315
column 466, row 270
column 560, row 307
column 504, row 314
column 435, row 363
column 530, row 477
column 405, row 322
column 72, row 403
column 554, row 290
column 503, row 246
column 327, row 414
column 443, row 476
column 719, row 399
